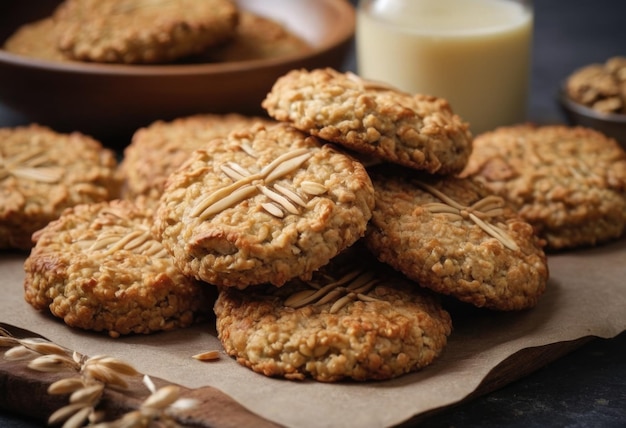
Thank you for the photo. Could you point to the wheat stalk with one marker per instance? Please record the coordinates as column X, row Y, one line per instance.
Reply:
column 90, row 376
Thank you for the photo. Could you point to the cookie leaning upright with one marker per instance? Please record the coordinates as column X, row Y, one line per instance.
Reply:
column 142, row 31
column 417, row 131
column 569, row 183
column 455, row 237
column 263, row 205
column 98, row 267
column 42, row 172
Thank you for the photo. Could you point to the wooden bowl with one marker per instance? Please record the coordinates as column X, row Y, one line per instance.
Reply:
column 110, row 102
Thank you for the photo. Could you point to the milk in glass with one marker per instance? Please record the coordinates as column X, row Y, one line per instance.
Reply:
column 474, row 53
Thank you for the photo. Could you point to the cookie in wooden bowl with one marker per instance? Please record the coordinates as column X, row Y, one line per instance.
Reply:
column 142, row 31
column 37, row 40
column 257, row 37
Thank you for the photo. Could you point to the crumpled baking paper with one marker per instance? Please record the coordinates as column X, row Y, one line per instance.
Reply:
column 586, row 296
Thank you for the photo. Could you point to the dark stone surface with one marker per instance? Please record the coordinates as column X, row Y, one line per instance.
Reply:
column 586, row 388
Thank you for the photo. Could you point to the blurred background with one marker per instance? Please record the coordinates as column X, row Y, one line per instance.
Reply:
column 568, row 34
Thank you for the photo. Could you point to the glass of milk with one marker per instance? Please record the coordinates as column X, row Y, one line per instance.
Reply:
column 474, row 53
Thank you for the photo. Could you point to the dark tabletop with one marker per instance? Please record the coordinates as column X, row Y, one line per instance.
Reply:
column 586, row 388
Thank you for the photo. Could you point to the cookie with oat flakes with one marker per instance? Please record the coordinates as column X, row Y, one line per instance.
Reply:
column 453, row 236
column 568, row 182
column 98, row 267
column 355, row 319
column 417, row 131
column 42, row 172
column 160, row 148
column 264, row 204
column 142, row 31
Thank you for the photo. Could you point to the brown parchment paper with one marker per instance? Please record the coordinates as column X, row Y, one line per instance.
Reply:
column 586, row 296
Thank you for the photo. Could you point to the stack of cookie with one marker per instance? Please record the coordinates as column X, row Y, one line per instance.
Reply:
column 153, row 32
column 95, row 262
column 330, row 231
column 286, row 220
column 446, row 233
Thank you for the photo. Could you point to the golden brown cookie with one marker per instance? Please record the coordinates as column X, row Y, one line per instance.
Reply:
column 143, row 31
column 355, row 319
column 265, row 204
column 569, row 183
column 98, row 267
column 36, row 40
column 42, row 172
column 453, row 236
column 417, row 131
column 160, row 148
column 258, row 37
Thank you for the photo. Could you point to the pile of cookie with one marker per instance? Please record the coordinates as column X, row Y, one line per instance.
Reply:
column 332, row 233
column 153, row 32
column 600, row 86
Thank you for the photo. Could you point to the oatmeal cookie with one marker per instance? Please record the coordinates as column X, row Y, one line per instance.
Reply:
column 355, row 319
column 568, row 182
column 265, row 204
column 160, row 148
column 42, row 172
column 143, row 31
column 36, row 40
column 258, row 37
column 98, row 267
column 453, row 236
column 417, row 131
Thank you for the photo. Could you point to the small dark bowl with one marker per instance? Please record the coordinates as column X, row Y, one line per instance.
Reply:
column 610, row 124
